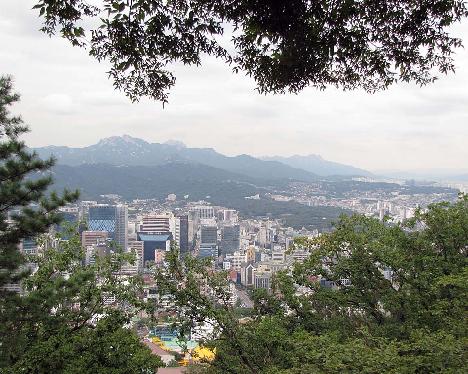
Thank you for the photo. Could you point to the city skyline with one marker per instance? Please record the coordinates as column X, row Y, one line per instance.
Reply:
column 404, row 128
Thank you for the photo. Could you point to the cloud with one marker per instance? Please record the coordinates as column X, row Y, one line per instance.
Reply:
column 59, row 103
column 103, row 98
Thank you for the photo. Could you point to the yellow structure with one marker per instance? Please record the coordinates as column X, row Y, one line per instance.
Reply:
column 183, row 362
column 203, row 354
column 159, row 343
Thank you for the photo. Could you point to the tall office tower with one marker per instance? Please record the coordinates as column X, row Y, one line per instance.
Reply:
column 70, row 214
column 154, row 243
column 102, row 218
column 110, row 218
column 194, row 223
column 230, row 215
column 70, row 217
column 204, row 211
column 208, row 251
column 208, row 241
column 230, row 239
column 157, row 223
column 181, row 233
column 132, row 229
column 208, row 234
column 262, row 236
column 90, row 238
column 121, row 230
column 138, row 247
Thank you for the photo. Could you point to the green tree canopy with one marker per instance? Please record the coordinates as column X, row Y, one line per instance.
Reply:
column 395, row 301
column 283, row 45
column 54, row 317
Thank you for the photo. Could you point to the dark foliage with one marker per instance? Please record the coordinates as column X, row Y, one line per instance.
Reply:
column 284, row 45
column 16, row 194
column 53, row 314
column 396, row 302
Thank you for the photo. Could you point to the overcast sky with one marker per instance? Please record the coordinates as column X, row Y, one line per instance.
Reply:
column 68, row 100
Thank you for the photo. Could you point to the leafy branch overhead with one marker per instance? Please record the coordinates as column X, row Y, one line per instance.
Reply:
column 284, row 45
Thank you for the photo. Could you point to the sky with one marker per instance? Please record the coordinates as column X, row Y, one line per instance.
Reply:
column 66, row 99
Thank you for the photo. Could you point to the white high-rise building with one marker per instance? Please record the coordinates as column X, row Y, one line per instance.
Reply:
column 204, row 211
column 230, row 215
column 121, row 232
column 138, row 247
column 158, row 223
column 91, row 238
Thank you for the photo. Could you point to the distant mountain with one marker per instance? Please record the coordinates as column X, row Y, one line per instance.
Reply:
column 158, row 181
column 129, row 151
column 200, row 182
column 317, row 165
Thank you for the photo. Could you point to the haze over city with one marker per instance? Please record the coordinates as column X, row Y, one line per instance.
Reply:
column 68, row 100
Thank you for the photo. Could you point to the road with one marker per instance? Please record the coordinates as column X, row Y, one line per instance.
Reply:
column 244, row 298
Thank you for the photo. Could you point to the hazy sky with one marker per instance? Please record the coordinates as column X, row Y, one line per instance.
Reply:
column 68, row 100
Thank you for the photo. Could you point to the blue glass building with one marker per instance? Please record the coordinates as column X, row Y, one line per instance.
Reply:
column 153, row 242
column 110, row 218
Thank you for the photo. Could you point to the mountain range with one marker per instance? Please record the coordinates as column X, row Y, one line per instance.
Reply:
column 134, row 168
column 128, row 151
column 317, row 165
column 193, row 182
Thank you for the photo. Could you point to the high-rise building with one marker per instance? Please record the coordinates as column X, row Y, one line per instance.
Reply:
column 229, row 215
column 208, row 241
column 138, row 247
column 102, row 218
column 110, row 218
column 193, row 225
column 90, row 238
column 157, row 223
column 262, row 236
column 121, row 232
column 208, row 234
column 250, row 254
column 153, row 243
column 248, row 274
column 230, row 239
column 208, row 251
column 70, row 218
column 181, row 233
column 204, row 211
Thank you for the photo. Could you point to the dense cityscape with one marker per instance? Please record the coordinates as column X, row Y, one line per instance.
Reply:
column 250, row 250
column 233, row 187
